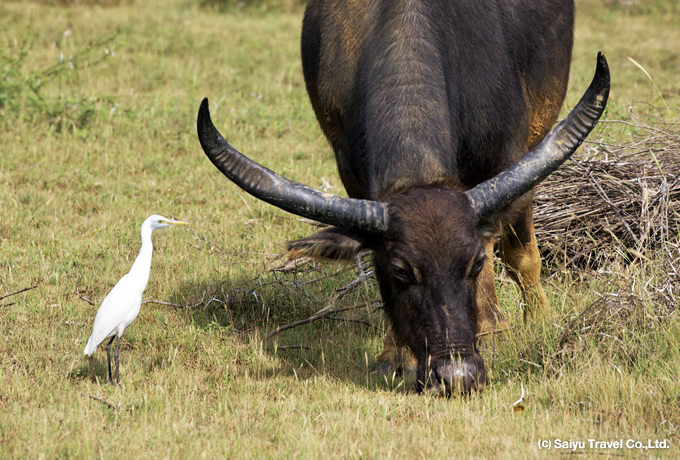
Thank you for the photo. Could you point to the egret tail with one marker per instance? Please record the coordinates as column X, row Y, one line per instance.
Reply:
column 90, row 348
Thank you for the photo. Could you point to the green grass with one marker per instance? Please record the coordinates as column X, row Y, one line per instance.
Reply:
column 90, row 151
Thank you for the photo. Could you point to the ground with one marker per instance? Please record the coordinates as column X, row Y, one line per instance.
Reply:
column 97, row 131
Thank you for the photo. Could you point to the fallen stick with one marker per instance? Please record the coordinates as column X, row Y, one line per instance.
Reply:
column 495, row 331
column 103, row 401
column 316, row 317
column 177, row 305
column 18, row 292
column 292, row 347
column 82, row 297
column 73, row 323
column 352, row 320
column 163, row 302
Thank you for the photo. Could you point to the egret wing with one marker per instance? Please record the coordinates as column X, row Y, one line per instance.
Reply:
column 115, row 309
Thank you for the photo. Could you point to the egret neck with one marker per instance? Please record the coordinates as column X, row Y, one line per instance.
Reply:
column 141, row 267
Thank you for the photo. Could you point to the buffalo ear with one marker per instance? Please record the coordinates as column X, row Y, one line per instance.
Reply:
column 333, row 243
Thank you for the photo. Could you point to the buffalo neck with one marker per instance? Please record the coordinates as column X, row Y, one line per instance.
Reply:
column 425, row 119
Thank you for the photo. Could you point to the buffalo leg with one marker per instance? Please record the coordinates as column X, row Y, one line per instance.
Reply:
column 520, row 255
column 489, row 316
column 394, row 358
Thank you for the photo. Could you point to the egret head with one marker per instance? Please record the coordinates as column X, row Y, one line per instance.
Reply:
column 155, row 222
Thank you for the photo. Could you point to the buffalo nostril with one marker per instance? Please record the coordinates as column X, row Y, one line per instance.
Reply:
column 460, row 375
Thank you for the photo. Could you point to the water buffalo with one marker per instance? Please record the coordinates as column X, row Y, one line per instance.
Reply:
column 431, row 107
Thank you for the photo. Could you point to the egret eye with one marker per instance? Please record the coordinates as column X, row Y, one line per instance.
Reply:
column 400, row 273
column 478, row 266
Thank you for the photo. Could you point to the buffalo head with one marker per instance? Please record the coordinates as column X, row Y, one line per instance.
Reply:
column 428, row 242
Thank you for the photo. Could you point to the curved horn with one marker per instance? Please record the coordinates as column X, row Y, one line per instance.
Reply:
column 265, row 184
column 560, row 144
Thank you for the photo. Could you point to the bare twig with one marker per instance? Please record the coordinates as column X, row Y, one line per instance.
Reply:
column 313, row 223
column 363, row 276
column 292, row 347
column 496, row 331
column 207, row 241
column 163, row 302
column 351, row 320
column 321, row 278
column 320, row 315
column 604, row 196
column 530, row 363
column 176, row 305
column 18, row 292
column 82, row 297
column 103, row 401
column 74, row 323
column 295, row 265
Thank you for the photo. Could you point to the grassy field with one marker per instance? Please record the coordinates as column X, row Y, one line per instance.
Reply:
column 97, row 131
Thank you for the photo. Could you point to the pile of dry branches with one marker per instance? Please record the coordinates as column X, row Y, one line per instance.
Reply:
column 616, row 200
column 612, row 206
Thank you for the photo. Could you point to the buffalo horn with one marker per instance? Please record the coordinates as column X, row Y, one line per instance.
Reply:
column 499, row 191
column 265, row 184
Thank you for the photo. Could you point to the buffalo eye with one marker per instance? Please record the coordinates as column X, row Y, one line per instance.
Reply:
column 400, row 272
column 477, row 267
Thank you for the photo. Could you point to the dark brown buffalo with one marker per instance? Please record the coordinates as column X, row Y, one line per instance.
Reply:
column 431, row 107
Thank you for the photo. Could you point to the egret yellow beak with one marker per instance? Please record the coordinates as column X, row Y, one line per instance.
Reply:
column 174, row 222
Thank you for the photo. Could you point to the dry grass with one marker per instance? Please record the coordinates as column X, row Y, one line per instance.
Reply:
column 614, row 200
column 86, row 156
column 613, row 213
column 611, row 218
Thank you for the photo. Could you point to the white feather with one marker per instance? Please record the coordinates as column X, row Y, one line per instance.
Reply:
column 121, row 306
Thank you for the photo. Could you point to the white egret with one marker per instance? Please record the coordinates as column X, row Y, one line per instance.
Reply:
column 121, row 306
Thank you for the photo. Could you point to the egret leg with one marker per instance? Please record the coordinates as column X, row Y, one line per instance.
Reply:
column 108, row 357
column 116, row 356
